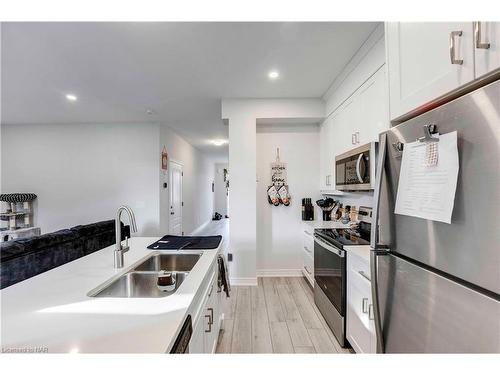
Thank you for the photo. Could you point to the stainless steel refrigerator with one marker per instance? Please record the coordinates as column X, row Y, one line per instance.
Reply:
column 436, row 286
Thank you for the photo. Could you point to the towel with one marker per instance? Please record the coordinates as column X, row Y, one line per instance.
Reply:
column 223, row 275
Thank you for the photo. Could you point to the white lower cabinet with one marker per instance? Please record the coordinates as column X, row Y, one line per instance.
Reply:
column 206, row 325
column 308, row 253
column 360, row 324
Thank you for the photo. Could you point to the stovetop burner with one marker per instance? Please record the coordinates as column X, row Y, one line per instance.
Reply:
column 344, row 237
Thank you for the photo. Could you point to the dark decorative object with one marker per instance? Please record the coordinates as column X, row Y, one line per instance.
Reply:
column 27, row 257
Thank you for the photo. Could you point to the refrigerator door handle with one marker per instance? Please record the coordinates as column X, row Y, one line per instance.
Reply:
column 376, row 195
column 375, row 302
column 376, row 249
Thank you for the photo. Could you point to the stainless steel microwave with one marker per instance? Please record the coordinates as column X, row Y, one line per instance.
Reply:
column 355, row 169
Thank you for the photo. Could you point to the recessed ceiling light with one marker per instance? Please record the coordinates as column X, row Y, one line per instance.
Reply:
column 71, row 97
column 273, row 74
column 219, row 142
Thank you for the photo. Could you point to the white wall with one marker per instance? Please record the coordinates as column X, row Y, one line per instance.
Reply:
column 279, row 234
column 197, row 181
column 83, row 173
column 220, row 191
column 242, row 115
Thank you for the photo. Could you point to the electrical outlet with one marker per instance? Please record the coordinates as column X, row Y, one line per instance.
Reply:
column 229, row 257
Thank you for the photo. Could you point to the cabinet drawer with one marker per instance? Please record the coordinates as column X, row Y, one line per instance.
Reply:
column 360, row 266
column 308, row 241
column 308, row 262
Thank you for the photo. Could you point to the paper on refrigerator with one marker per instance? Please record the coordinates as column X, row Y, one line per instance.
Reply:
column 424, row 191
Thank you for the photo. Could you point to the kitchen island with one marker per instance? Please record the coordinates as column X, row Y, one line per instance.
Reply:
column 53, row 311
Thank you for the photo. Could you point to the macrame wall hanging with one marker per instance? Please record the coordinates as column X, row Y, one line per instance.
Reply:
column 277, row 193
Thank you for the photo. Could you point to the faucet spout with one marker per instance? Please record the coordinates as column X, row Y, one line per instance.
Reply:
column 119, row 249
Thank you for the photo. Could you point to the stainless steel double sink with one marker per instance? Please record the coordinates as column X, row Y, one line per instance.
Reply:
column 141, row 281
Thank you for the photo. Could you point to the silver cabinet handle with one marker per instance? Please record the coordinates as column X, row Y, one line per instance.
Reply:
column 477, row 33
column 211, row 319
column 364, row 304
column 364, row 275
column 371, row 316
column 453, row 58
column 211, row 290
column 307, row 270
column 307, row 250
column 306, row 232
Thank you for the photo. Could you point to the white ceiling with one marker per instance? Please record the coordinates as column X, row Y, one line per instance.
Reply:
column 180, row 70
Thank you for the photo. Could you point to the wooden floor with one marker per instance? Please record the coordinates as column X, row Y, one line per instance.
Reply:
column 277, row 316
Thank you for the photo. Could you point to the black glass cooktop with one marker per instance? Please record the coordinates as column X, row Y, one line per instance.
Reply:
column 343, row 237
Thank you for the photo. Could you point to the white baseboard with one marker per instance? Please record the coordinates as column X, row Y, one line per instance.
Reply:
column 200, row 228
column 243, row 281
column 279, row 273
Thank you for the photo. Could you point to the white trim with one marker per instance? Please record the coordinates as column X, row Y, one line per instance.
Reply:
column 243, row 281
column 279, row 273
column 200, row 228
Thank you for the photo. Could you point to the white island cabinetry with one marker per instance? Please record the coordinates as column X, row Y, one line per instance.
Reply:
column 206, row 324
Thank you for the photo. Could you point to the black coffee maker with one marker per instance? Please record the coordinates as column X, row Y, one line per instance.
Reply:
column 326, row 206
column 307, row 209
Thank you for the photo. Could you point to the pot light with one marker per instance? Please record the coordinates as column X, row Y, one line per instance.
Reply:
column 219, row 142
column 71, row 97
column 273, row 74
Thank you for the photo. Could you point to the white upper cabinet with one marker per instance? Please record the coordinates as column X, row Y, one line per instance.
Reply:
column 486, row 47
column 373, row 110
column 325, row 152
column 427, row 60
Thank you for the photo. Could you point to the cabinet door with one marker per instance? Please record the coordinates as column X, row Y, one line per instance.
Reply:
column 359, row 325
column 323, row 145
column 487, row 56
column 358, row 322
column 420, row 65
column 373, row 108
column 211, row 314
column 197, row 342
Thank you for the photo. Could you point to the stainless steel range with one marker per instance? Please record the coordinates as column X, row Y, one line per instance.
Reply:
column 330, row 270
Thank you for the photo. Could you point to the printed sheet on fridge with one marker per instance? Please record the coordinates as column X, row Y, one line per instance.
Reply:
column 428, row 179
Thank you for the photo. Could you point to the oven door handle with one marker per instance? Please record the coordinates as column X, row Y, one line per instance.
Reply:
column 323, row 244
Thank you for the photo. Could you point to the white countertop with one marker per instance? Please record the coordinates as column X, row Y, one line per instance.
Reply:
column 320, row 224
column 363, row 251
column 52, row 309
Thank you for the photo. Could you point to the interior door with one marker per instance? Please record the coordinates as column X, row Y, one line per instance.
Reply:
column 175, row 177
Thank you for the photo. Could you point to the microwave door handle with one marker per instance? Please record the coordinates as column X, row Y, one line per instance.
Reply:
column 358, row 166
column 374, row 243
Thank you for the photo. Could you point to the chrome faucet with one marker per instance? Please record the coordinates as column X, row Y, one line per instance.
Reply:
column 119, row 249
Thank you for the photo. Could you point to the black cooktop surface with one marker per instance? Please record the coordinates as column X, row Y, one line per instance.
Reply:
column 343, row 237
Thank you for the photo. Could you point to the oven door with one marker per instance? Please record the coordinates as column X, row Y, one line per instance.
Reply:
column 330, row 272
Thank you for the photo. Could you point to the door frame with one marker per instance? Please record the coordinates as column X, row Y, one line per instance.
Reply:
column 178, row 163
